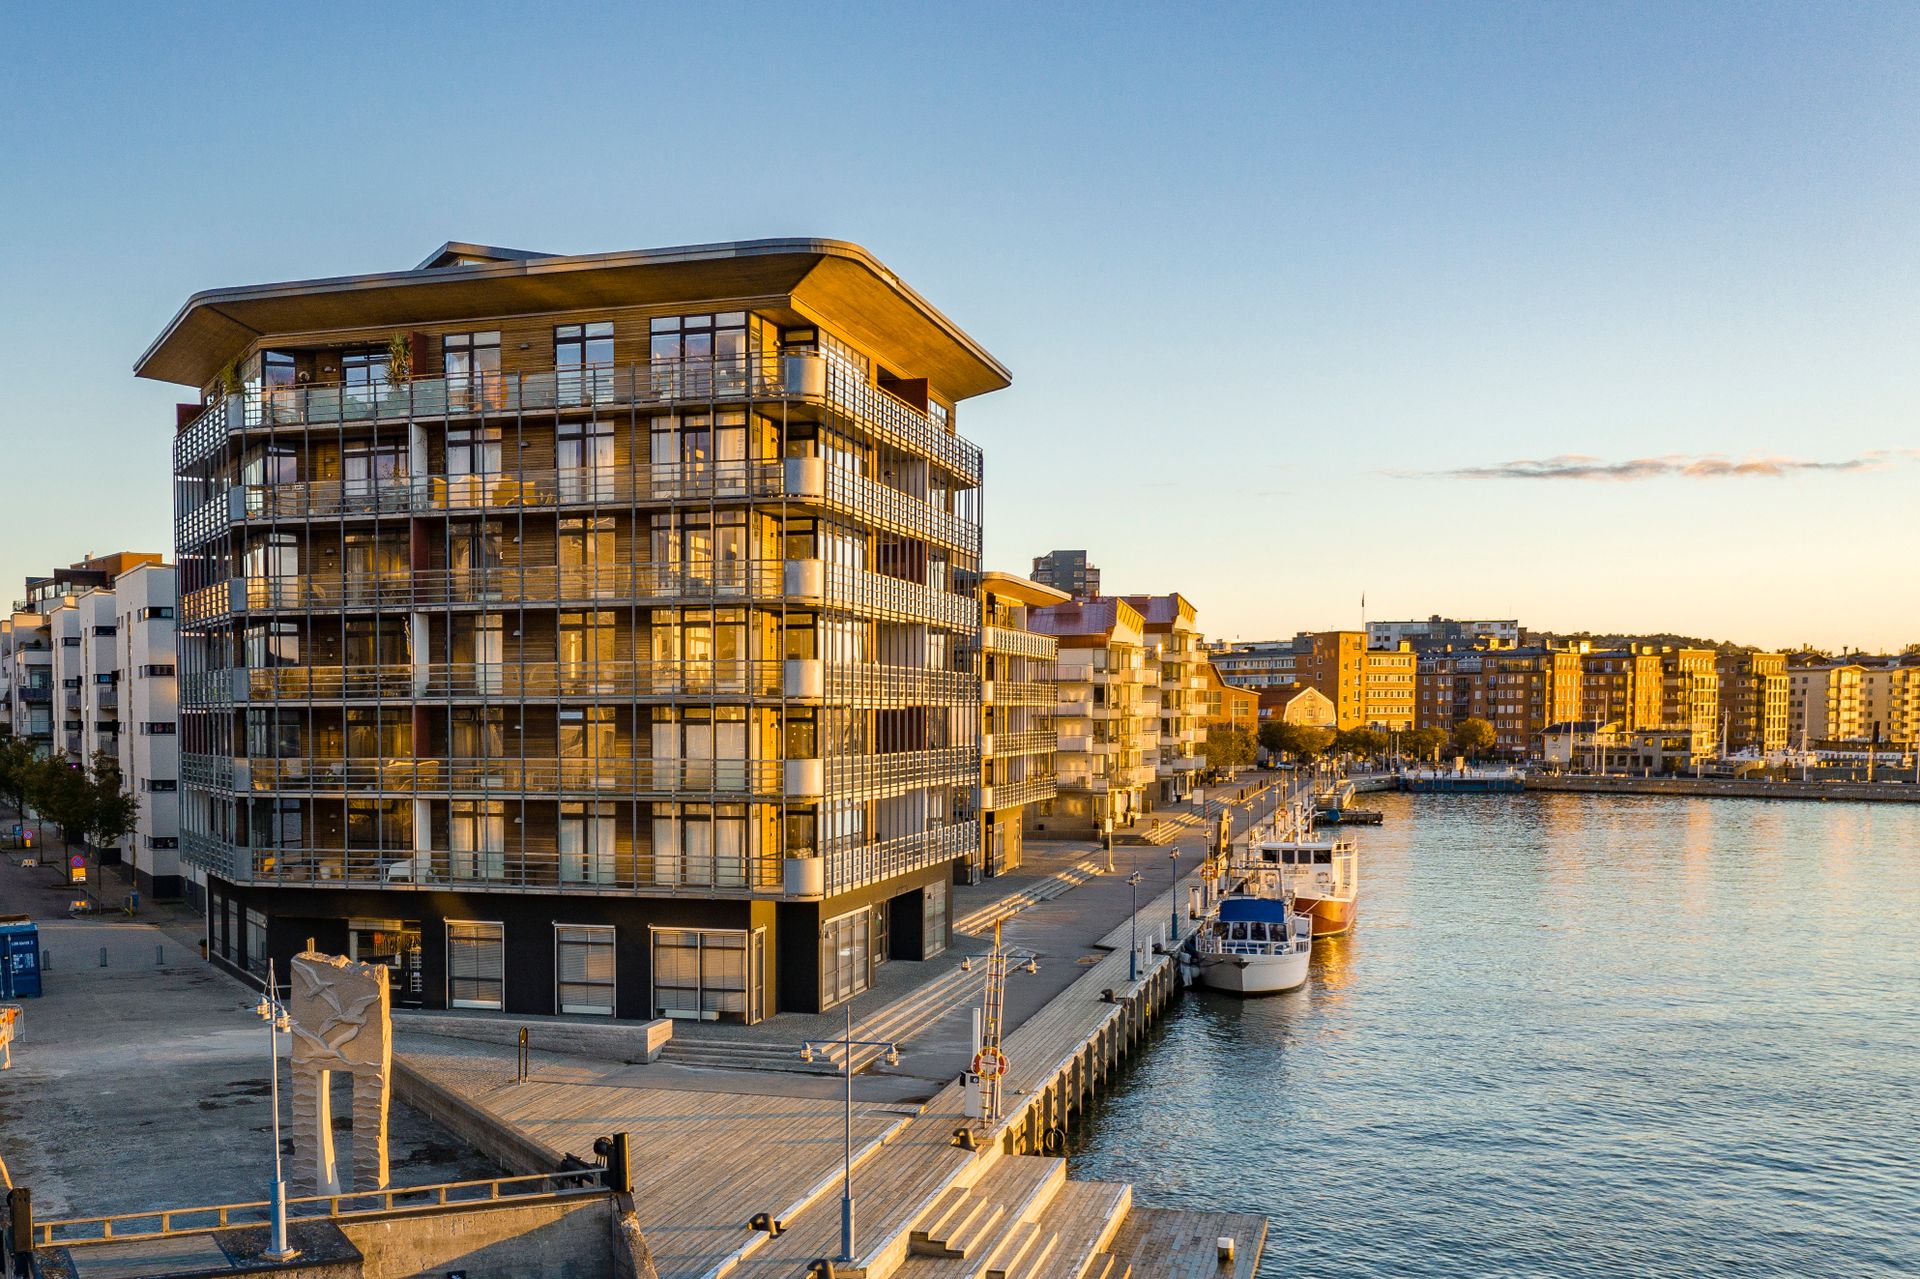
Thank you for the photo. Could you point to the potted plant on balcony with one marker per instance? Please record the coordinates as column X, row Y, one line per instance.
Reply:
column 399, row 368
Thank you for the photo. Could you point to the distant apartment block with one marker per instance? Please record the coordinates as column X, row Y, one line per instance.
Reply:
column 1369, row 688
column 1067, row 571
column 1853, row 702
column 26, row 677
column 1444, row 632
column 1690, row 695
column 1106, row 717
column 1753, row 700
column 1018, row 693
column 99, row 644
column 1176, row 649
column 1623, row 686
column 1525, row 691
column 1260, row 664
column 1226, row 705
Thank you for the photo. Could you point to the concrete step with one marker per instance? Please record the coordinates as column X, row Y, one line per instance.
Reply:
column 981, row 921
column 1103, row 1265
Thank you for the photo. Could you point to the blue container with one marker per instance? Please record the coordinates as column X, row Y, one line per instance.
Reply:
column 19, row 960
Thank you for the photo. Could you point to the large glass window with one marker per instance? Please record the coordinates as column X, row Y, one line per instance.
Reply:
column 477, row 839
column 583, row 961
column 588, row 552
column 709, row 974
column 363, row 374
column 476, row 964
column 473, row 370
column 846, row 956
column 394, row 944
column 584, row 457
column 586, row 843
column 583, row 362
column 473, row 463
column 586, row 652
column 699, row 355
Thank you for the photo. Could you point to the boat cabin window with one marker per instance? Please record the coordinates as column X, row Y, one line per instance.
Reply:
column 1323, row 857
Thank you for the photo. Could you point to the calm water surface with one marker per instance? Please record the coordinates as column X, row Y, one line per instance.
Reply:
column 1570, row 1036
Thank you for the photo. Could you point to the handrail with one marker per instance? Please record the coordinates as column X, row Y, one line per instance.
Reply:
column 755, row 375
column 66, row 1231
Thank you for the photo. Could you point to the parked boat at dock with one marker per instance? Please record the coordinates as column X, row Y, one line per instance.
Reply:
column 1254, row 943
column 1323, row 877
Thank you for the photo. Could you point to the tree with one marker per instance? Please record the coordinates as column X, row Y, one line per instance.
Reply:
column 1363, row 742
column 1473, row 736
column 62, row 794
column 18, row 762
column 1423, row 743
column 1301, row 741
column 1227, row 747
column 112, row 810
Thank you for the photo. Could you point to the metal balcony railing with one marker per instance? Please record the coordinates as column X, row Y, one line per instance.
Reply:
column 759, row 375
column 611, row 778
column 852, row 865
column 1015, row 643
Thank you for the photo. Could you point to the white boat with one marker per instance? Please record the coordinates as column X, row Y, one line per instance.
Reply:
column 1252, row 944
column 1322, row 876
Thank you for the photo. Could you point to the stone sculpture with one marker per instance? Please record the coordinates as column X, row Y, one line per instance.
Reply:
column 341, row 1024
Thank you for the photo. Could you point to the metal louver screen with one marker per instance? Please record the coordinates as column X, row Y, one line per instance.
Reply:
column 584, row 963
column 476, row 964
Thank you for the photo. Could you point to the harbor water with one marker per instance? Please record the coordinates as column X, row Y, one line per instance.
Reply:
column 1571, row 1035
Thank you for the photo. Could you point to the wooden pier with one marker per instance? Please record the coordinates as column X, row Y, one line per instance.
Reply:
column 929, row 1207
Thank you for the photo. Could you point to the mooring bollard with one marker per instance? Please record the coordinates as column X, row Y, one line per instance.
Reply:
column 46, row 961
column 103, row 956
column 160, row 956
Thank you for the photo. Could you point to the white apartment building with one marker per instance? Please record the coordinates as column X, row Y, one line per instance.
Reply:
column 26, row 678
column 110, row 663
column 1106, row 716
column 1175, row 646
column 1260, row 664
column 1826, row 703
column 149, row 742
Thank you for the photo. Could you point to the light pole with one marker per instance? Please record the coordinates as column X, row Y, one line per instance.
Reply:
column 1133, row 948
column 1173, row 906
column 279, row 1022
column 848, row 1043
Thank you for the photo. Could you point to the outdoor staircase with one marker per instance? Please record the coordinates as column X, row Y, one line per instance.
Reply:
column 1021, row 1220
column 978, row 923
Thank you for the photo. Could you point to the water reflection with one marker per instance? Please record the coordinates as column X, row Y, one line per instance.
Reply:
column 1568, row 1036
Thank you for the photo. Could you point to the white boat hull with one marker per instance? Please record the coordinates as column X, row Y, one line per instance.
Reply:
column 1254, row 974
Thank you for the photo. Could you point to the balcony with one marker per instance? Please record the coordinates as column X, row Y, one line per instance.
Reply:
column 1014, row 643
column 1032, row 742
column 809, row 481
column 755, row 376
column 1016, row 692
column 869, row 684
column 531, row 867
column 36, row 694
column 623, row 778
column 1031, row 790
column 804, row 581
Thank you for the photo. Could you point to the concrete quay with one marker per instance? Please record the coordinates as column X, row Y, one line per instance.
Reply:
column 1891, row 791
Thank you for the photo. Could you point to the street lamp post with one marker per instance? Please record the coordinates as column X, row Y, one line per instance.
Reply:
column 1173, row 906
column 848, row 1043
column 1133, row 949
column 279, row 1022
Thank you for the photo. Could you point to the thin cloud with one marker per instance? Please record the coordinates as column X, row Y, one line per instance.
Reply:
column 1708, row 466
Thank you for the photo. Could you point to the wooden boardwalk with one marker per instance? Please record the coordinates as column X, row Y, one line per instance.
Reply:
column 708, row 1161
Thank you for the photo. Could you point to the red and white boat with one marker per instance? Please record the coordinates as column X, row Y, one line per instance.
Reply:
column 1323, row 877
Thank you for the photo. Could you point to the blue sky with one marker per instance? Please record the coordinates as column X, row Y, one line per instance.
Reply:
column 1287, row 290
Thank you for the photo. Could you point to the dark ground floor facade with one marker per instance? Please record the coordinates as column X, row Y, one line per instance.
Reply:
column 576, row 954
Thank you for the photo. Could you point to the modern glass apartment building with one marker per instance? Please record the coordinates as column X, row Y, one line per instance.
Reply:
column 585, row 634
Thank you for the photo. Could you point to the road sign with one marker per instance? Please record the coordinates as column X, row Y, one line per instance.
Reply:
column 990, row 1063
